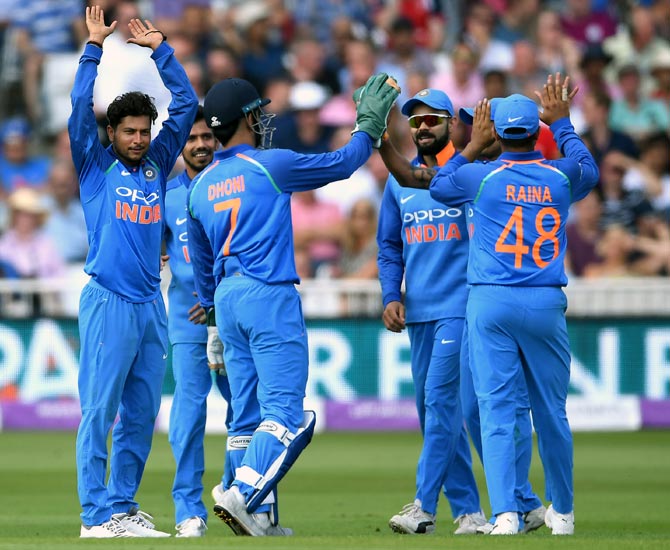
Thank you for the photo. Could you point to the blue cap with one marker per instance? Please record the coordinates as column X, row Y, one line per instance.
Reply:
column 13, row 128
column 435, row 99
column 466, row 114
column 517, row 117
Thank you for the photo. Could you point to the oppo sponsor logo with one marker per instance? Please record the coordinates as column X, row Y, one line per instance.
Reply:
column 434, row 214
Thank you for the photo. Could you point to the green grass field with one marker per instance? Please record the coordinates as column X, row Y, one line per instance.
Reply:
column 341, row 493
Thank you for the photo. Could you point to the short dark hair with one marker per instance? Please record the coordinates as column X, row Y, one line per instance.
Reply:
column 131, row 104
column 227, row 131
column 199, row 114
column 526, row 143
column 601, row 98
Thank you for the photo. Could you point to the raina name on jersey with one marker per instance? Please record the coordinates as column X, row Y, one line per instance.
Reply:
column 528, row 193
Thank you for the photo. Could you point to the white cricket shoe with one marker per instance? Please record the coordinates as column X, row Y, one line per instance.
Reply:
column 534, row 519
column 560, row 524
column 232, row 509
column 412, row 520
column 139, row 523
column 111, row 529
column 506, row 523
column 191, row 527
column 217, row 492
column 484, row 529
column 468, row 523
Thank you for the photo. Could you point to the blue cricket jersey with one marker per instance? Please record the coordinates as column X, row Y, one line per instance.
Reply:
column 123, row 205
column 521, row 203
column 240, row 210
column 182, row 287
column 427, row 242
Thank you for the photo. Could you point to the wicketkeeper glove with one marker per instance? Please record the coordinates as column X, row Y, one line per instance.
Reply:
column 214, row 345
column 373, row 104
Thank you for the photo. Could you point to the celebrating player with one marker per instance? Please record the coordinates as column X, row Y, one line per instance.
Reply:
column 122, row 320
column 516, row 307
column 188, row 336
column 431, row 253
column 241, row 243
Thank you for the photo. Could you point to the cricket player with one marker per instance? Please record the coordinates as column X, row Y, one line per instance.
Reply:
column 188, row 337
column 516, row 307
column 530, row 505
column 241, row 244
column 426, row 242
column 122, row 320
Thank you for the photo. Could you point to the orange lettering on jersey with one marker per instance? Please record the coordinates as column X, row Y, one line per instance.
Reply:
column 528, row 193
column 224, row 188
column 137, row 214
column 186, row 255
column 430, row 232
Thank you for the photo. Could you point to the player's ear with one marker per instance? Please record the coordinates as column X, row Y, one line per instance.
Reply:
column 110, row 133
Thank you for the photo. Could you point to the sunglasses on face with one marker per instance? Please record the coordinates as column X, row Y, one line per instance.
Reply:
column 429, row 120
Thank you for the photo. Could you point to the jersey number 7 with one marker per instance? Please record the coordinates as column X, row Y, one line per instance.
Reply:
column 514, row 226
column 234, row 206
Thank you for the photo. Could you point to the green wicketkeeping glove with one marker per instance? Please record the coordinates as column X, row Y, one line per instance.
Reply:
column 373, row 105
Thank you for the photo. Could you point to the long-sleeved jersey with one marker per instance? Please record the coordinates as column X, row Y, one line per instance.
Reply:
column 521, row 204
column 182, row 287
column 240, row 211
column 123, row 205
column 425, row 241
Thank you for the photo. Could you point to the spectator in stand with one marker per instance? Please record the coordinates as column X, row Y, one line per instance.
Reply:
column 307, row 60
column 660, row 72
column 635, row 40
column 598, row 136
column 477, row 30
column 460, row 80
column 583, row 233
column 585, row 25
column 316, row 16
column 18, row 167
column 526, row 75
column 516, row 20
column 613, row 248
column 591, row 74
column 359, row 243
column 621, row 206
column 652, row 173
column 555, row 52
column 66, row 224
column 360, row 63
column 25, row 246
column 261, row 58
column 300, row 129
column 651, row 248
column 221, row 62
column 48, row 34
column 317, row 225
column 635, row 113
column 404, row 55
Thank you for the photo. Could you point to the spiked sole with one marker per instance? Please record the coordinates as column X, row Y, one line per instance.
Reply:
column 230, row 521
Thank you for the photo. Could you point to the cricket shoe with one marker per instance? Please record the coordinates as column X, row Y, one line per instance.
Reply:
column 109, row 530
column 191, row 527
column 412, row 520
column 139, row 523
column 506, row 523
column 468, row 523
column 484, row 529
column 534, row 519
column 560, row 524
column 232, row 509
column 217, row 492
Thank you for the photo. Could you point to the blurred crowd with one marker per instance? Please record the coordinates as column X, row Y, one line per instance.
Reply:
column 308, row 56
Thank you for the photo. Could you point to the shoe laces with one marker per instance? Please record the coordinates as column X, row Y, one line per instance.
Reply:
column 414, row 510
column 114, row 526
column 469, row 519
column 141, row 518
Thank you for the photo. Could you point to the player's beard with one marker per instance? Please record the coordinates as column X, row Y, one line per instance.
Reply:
column 434, row 148
column 200, row 165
